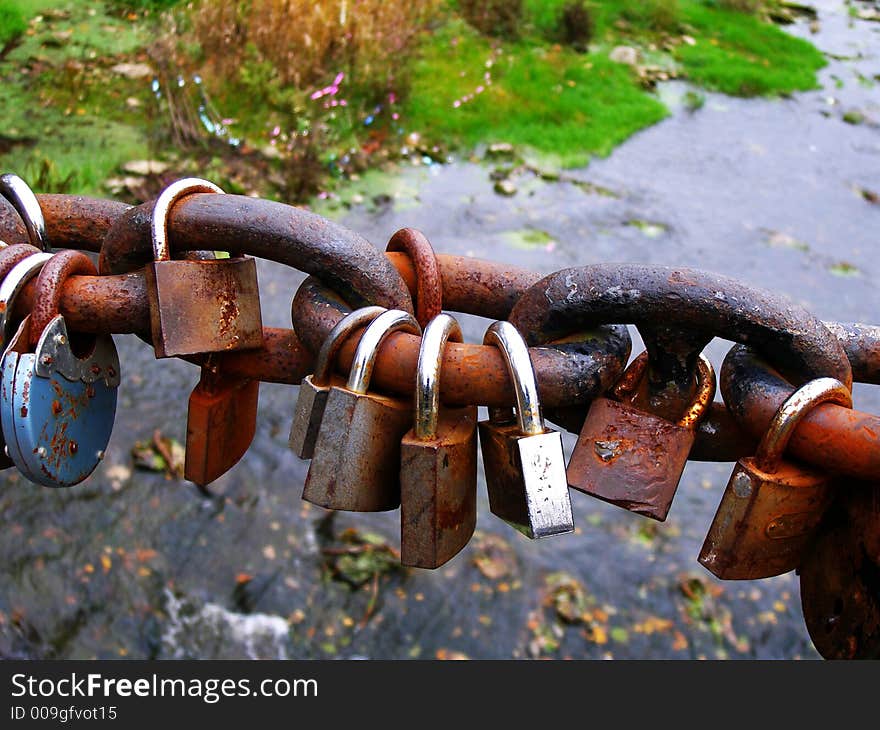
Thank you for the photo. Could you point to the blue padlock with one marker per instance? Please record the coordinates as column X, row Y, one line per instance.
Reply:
column 56, row 407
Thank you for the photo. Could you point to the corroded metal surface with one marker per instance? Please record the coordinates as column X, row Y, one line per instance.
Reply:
column 838, row 439
column 679, row 311
column 429, row 284
column 266, row 229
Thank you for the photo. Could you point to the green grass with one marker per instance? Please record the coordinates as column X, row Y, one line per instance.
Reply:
column 559, row 103
column 76, row 113
column 12, row 21
column 738, row 54
column 567, row 106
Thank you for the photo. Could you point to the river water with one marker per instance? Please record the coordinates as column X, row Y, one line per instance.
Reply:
column 133, row 564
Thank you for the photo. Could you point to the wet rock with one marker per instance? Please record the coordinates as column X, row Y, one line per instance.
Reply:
column 145, row 167
column 505, row 187
column 133, row 70
column 499, row 150
column 853, row 116
column 626, row 55
column 194, row 630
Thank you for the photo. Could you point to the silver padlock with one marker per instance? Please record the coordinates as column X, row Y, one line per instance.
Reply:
column 524, row 461
column 356, row 464
column 314, row 388
column 17, row 192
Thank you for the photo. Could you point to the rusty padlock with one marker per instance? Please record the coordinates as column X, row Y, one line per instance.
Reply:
column 314, row 388
column 524, row 461
column 199, row 306
column 632, row 458
column 840, row 576
column 356, row 464
column 771, row 506
column 220, row 423
column 438, row 463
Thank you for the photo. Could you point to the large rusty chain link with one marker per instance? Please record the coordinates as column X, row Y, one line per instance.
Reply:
column 636, row 430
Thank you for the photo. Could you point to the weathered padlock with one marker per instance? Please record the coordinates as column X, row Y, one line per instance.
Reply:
column 11, row 286
column 632, row 458
column 771, row 506
column 840, row 590
column 220, row 423
column 20, row 274
column 199, row 306
column 17, row 192
column 438, row 463
column 58, row 406
column 524, row 461
column 356, row 464
column 314, row 389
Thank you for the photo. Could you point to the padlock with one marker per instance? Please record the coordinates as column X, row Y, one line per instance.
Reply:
column 12, row 284
column 314, row 388
column 840, row 590
column 523, row 460
column 220, row 424
column 632, row 458
column 17, row 192
column 438, row 463
column 356, row 464
column 58, row 406
column 771, row 506
column 20, row 274
column 199, row 306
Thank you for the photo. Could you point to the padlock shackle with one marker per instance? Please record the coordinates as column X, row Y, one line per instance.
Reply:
column 162, row 208
column 336, row 339
column 791, row 412
column 515, row 353
column 439, row 331
column 394, row 320
column 18, row 192
column 429, row 282
column 12, row 285
column 702, row 401
column 47, row 297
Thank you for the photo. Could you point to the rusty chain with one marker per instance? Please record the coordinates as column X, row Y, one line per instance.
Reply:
column 573, row 322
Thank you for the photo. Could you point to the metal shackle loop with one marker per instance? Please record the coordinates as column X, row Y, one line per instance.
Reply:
column 12, row 285
column 439, row 331
column 18, row 192
column 702, row 401
column 394, row 320
column 515, row 352
column 162, row 208
column 790, row 413
column 337, row 337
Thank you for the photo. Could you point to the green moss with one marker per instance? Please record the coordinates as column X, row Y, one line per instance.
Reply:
column 73, row 121
column 12, row 21
column 560, row 103
column 738, row 54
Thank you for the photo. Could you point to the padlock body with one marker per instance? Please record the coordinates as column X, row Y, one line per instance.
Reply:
column 765, row 520
column 356, row 464
column 220, row 426
column 308, row 414
column 630, row 458
column 56, row 429
column 203, row 306
column 525, row 479
column 840, row 596
column 438, row 490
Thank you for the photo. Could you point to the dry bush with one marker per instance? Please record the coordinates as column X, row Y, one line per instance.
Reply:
column 577, row 25
column 499, row 18
column 307, row 43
